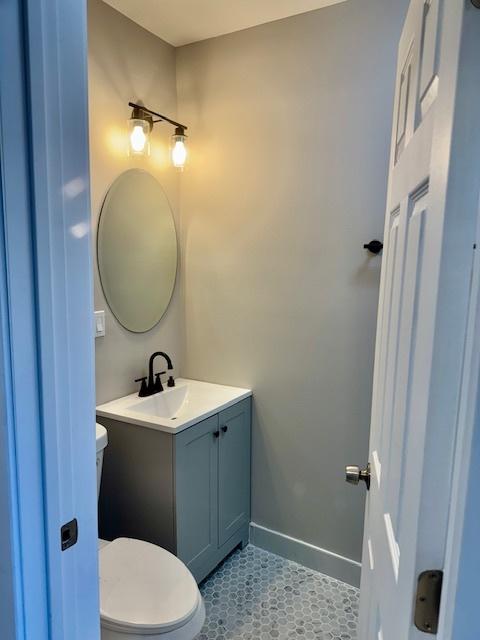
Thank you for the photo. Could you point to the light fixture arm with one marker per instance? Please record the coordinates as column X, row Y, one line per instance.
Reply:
column 158, row 115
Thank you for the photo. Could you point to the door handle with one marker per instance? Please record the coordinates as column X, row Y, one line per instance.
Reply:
column 354, row 474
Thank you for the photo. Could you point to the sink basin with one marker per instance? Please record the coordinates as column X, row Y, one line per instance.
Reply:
column 175, row 408
column 163, row 405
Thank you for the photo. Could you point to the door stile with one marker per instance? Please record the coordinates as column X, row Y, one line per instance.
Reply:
column 460, row 178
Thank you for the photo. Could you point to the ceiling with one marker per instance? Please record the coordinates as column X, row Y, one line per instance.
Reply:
column 180, row 22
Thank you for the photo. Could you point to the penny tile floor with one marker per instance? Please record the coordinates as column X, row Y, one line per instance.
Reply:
column 256, row 595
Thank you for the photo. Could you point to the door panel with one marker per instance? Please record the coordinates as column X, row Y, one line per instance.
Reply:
column 233, row 470
column 428, row 56
column 407, row 333
column 404, row 108
column 196, row 452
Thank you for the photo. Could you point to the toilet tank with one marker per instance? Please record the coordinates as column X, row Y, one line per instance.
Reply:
column 102, row 441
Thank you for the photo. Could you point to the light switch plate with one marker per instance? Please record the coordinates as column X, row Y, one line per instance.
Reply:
column 99, row 324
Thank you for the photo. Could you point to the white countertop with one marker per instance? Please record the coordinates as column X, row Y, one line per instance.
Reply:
column 176, row 408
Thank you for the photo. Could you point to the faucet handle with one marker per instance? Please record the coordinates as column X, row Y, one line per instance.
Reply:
column 143, row 387
column 171, row 381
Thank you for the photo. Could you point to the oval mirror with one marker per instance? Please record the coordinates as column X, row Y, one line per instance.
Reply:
column 137, row 250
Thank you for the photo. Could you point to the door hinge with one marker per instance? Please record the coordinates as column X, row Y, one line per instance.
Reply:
column 427, row 602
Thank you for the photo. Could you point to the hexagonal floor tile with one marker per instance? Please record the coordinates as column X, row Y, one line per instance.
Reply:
column 256, row 594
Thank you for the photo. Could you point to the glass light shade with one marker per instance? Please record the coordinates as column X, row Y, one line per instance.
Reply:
column 179, row 150
column 139, row 137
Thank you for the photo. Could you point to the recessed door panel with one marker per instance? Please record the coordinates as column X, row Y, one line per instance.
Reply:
column 428, row 85
column 401, row 424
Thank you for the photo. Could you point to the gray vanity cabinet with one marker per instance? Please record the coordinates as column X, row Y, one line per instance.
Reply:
column 187, row 492
column 212, row 470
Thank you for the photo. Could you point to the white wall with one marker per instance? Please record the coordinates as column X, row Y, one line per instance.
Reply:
column 128, row 63
column 289, row 127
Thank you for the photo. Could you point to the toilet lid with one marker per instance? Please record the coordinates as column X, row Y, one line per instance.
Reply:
column 145, row 587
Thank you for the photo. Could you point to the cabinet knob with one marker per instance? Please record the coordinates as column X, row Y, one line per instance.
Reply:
column 225, row 429
column 216, row 434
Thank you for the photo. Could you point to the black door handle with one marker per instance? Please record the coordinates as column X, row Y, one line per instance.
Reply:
column 225, row 429
column 216, row 434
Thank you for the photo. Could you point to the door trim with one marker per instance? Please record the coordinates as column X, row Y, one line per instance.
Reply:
column 463, row 476
column 23, row 578
column 466, row 165
column 46, row 334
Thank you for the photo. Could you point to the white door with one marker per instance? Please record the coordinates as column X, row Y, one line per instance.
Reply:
column 430, row 232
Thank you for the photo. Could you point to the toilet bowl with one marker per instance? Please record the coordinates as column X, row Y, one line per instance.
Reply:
column 146, row 593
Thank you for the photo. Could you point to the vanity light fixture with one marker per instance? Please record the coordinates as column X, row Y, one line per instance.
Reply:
column 140, row 125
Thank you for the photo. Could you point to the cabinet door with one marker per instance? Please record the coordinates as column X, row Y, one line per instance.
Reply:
column 234, row 469
column 196, row 452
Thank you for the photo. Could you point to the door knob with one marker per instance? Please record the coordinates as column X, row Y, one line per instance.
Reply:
column 354, row 474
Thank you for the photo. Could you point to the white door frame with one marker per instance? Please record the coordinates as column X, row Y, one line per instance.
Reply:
column 459, row 614
column 47, row 400
column 23, row 563
column 455, row 613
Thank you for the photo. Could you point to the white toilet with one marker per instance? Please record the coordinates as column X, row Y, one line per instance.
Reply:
column 145, row 591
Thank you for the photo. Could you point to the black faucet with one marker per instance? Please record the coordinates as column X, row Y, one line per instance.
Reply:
column 155, row 386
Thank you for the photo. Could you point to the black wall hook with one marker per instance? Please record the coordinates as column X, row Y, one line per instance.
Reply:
column 374, row 246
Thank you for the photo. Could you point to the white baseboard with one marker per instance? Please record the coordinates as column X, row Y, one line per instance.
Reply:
column 308, row 555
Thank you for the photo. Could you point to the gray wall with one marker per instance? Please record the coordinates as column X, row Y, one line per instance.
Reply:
column 128, row 63
column 289, row 129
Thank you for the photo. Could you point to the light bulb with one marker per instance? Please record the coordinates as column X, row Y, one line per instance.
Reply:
column 179, row 150
column 179, row 154
column 139, row 137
